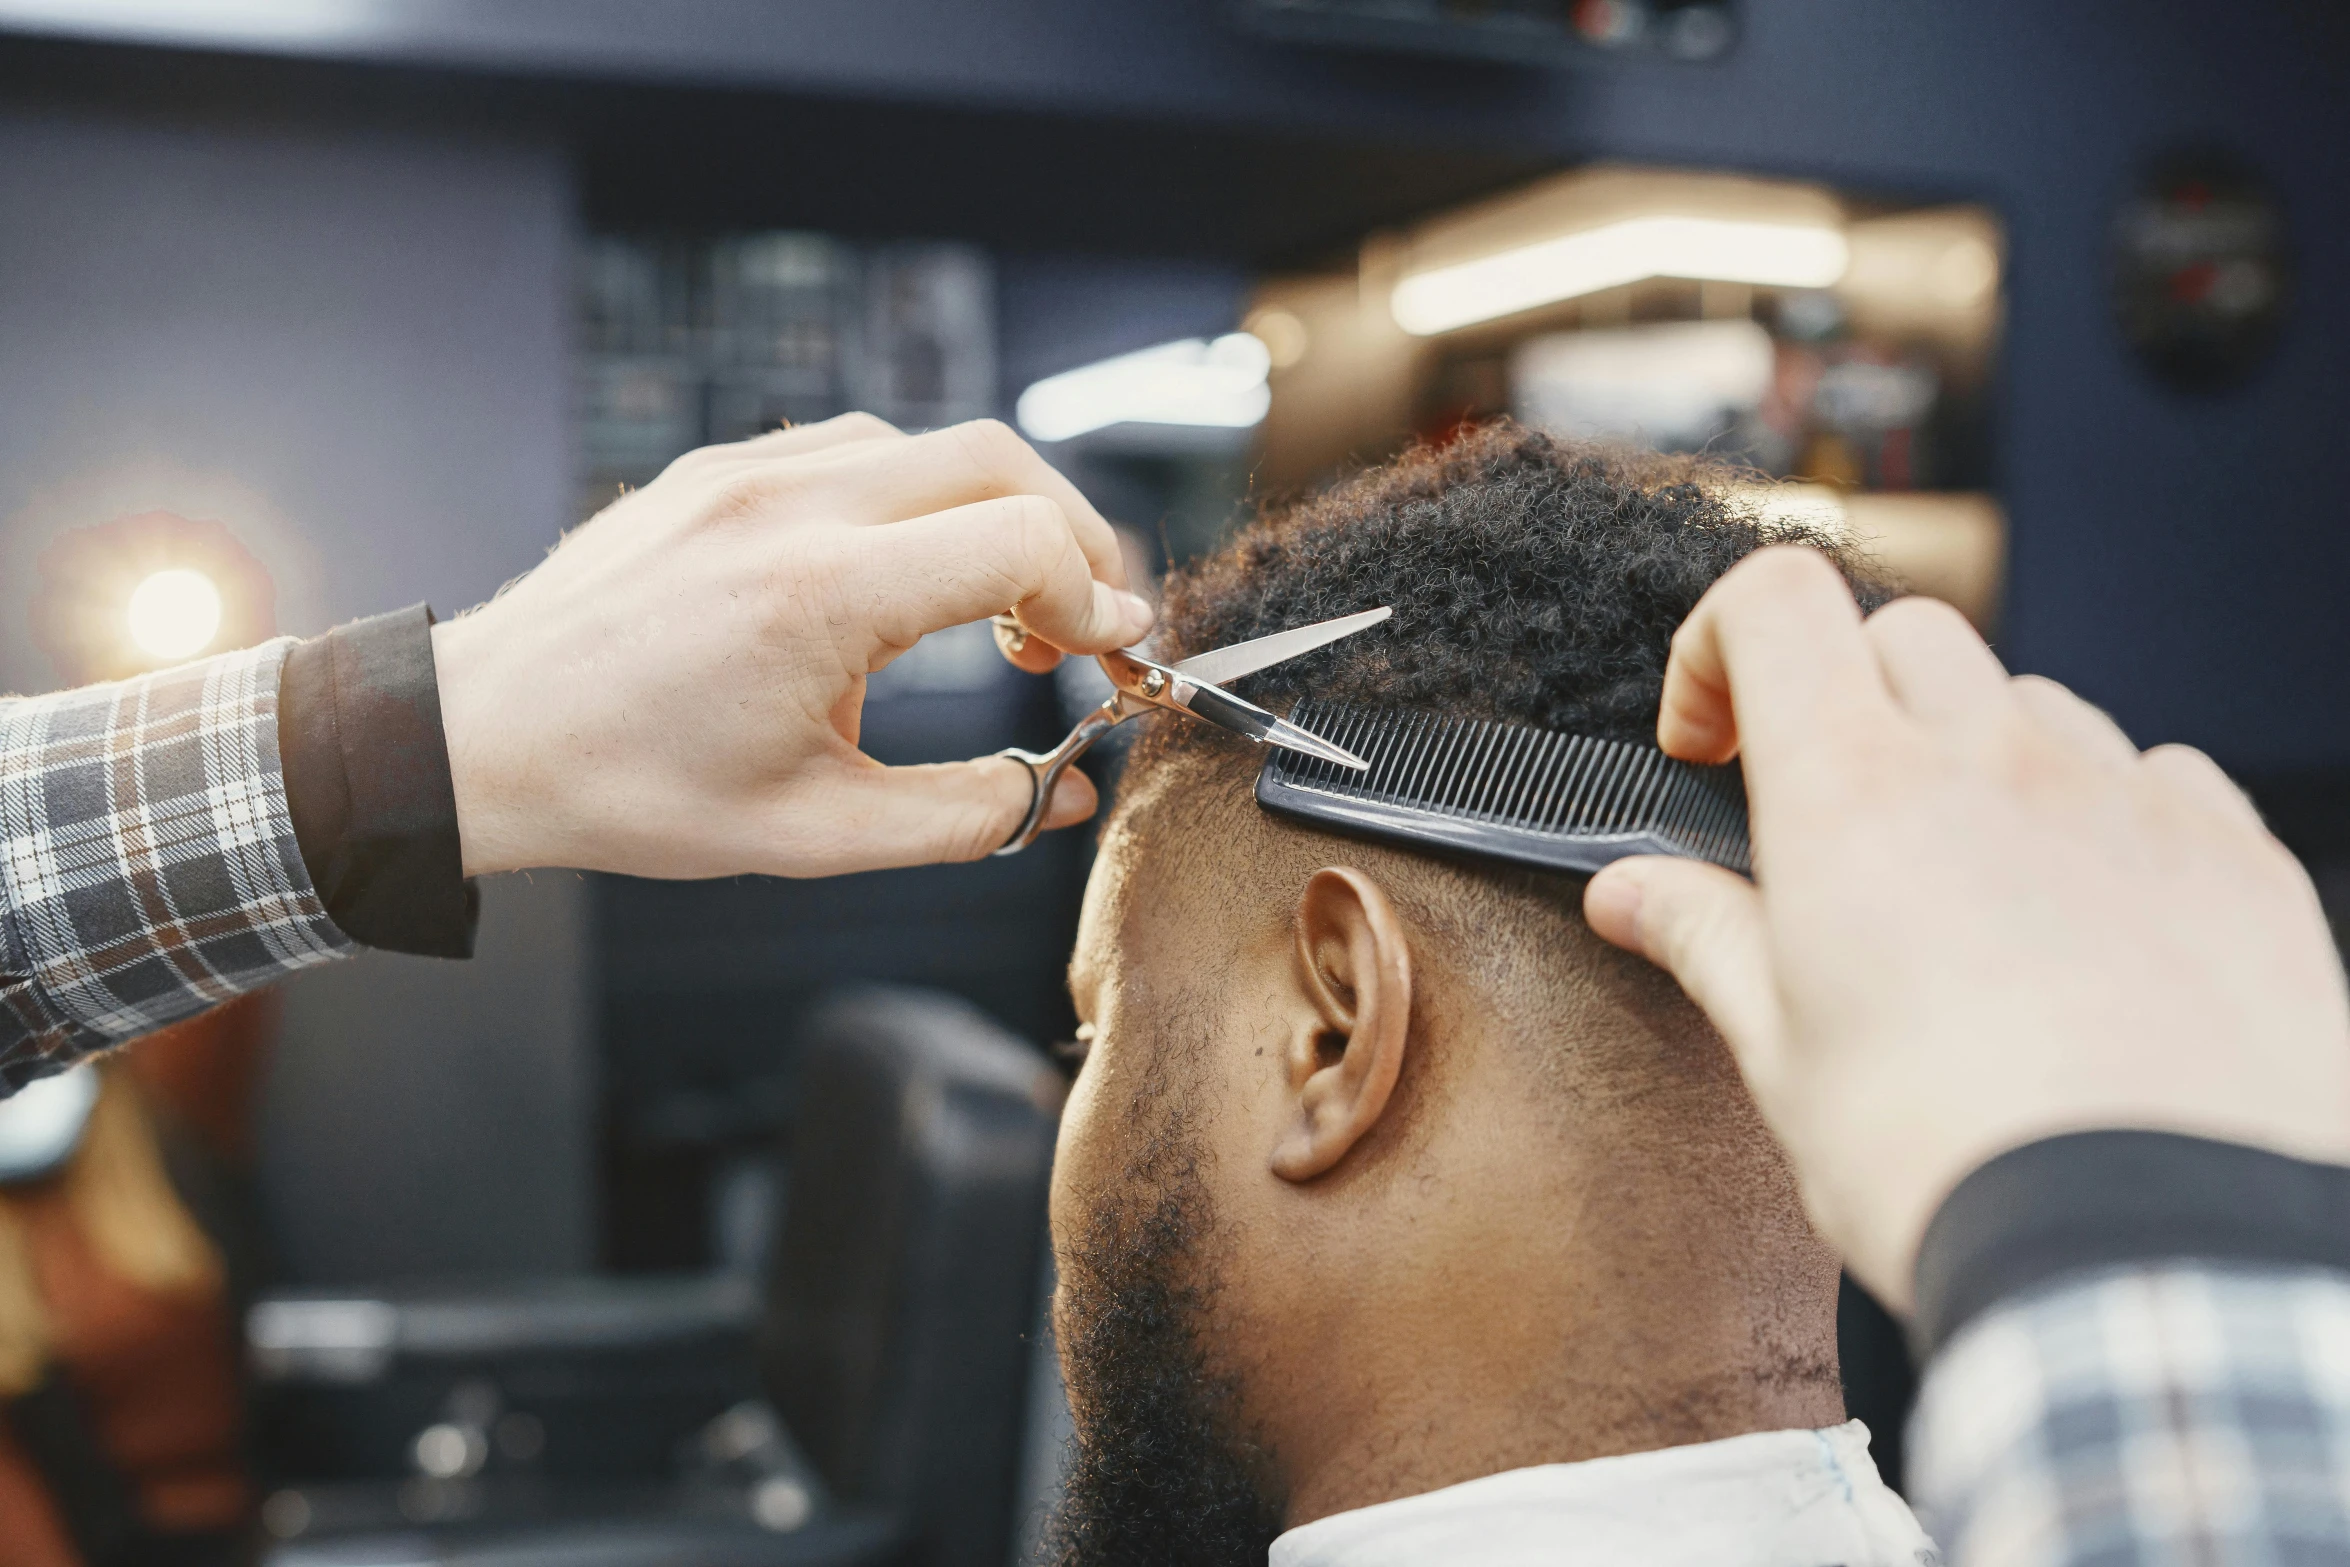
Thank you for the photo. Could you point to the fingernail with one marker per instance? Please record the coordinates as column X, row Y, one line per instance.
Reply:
column 1139, row 613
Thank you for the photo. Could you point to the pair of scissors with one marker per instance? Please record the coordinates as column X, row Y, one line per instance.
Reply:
column 1193, row 687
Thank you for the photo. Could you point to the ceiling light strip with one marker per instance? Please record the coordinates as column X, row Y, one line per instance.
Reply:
column 1782, row 255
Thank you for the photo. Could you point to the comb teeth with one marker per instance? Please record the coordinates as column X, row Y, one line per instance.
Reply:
column 1533, row 796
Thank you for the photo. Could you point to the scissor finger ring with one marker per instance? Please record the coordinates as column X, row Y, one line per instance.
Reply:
column 1010, row 635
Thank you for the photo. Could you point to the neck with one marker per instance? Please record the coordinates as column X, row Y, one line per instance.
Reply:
column 1632, row 1303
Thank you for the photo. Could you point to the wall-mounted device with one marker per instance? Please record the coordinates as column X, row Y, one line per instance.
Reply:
column 2201, row 270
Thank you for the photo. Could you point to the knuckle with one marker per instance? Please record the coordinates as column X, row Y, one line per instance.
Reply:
column 1779, row 566
column 2016, row 751
column 2177, row 754
column 990, row 442
column 1914, row 613
column 997, row 564
column 2189, row 767
column 2183, row 764
column 2037, row 698
column 2039, row 694
column 995, row 437
column 1035, row 529
column 743, row 495
column 979, row 830
column 858, row 422
column 696, row 461
column 993, row 447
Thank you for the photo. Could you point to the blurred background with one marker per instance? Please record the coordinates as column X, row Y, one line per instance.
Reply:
column 702, row 1223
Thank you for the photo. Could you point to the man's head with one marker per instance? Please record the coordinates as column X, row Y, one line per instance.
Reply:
column 1383, row 1172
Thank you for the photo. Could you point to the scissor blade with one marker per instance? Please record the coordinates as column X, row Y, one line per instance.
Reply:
column 1291, row 737
column 1230, row 712
column 1219, row 666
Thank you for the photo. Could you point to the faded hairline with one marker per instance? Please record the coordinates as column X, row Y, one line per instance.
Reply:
column 1514, row 938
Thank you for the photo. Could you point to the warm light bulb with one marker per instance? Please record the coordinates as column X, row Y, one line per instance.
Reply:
column 174, row 613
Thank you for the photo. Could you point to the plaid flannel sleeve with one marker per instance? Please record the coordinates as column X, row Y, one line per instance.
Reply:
column 148, row 865
column 2180, row 1413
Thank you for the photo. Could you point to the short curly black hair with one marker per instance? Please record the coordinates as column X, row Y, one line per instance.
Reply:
column 1535, row 580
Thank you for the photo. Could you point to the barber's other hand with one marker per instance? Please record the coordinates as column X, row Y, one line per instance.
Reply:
column 1980, row 916
column 676, row 690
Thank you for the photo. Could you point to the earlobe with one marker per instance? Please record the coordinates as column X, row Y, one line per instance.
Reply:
column 1345, row 1054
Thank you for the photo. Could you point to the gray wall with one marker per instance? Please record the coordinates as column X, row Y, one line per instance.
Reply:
column 350, row 348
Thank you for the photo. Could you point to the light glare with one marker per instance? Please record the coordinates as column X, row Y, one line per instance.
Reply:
column 41, row 1124
column 263, row 22
column 1219, row 384
column 1672, row 384
column 174, row 613
column 1783, row 255
column 1966, row 272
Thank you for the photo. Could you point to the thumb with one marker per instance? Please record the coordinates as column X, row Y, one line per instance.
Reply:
column 1704, row 926
column 941, row 811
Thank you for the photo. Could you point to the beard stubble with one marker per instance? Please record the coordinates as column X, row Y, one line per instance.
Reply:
column 1163, row 1472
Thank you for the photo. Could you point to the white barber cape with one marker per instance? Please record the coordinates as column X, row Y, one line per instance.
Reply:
column 1769, row 1499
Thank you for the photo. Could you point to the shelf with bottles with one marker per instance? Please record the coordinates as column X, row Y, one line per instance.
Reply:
column 1842, row 349
column 688, row 340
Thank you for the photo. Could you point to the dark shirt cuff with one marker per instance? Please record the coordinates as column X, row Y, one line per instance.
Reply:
column 2103, row 1199
column 367, row 782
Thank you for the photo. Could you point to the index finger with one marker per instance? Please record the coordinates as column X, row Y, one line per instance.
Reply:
column 968, row 562
column 1771, row 650
column 883, row 484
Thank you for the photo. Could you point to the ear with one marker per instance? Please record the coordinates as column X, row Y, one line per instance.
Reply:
column 1345, row 1053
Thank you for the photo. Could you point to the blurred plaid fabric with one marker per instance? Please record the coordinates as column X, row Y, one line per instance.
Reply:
column 148, row 867
column 2149, row 1414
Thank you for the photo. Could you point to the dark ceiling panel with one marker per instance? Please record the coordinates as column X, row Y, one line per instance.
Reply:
column 1017, row 181
column 666, row 157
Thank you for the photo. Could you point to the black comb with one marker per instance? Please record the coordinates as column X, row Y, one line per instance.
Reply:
column 1533, row 796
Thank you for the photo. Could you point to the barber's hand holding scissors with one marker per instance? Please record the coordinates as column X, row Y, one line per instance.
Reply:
column 676, row 691
column 1981, row 916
